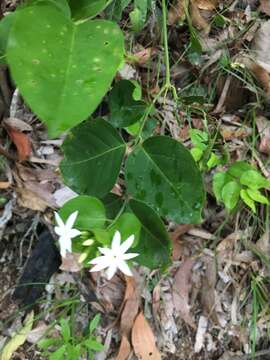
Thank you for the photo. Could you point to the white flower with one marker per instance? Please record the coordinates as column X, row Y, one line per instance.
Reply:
column 115, row 257
column 65, row 232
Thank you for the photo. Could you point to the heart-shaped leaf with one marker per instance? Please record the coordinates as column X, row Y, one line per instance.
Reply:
column 154, row 246
column 162, row 173
column 63, row 69
column 125, row 110
column 83, row 9
column 93, row 155
column 91, row 212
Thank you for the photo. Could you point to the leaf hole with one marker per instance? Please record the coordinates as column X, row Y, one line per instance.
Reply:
column 106, row 43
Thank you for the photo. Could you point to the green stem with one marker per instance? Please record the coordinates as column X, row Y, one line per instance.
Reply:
column 165, row 39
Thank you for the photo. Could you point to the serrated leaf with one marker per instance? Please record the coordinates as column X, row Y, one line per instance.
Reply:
column 93, row 155
column 257, row 196
column 57, row 65
column 19, row 338
column 83, row 9
column 162, row 173
column 247, row 200
column 124, row 109
column 91, row 212
column 154, row 247
column 230, row 194
column 254, row 180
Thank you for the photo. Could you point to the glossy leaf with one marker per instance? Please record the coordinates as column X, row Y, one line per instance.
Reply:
column 91, row 212
column 154, row 246
column 83, row 9
column 124, row 109
column 162, row 173
column 113, row 204
column 230, row 194
column 57, row 65
column 93, row 155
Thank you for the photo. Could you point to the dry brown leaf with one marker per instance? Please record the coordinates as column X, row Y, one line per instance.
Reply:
column 37, row 333
column 181, row 288
column 263, row 125
column 176, row 12
column 71, row 262
column 261, row 46
column 206, row 4
column 197, row 19
column 143, row 56
column 265, row 7
column 125, row 349
column 17, row 124
column 4, row 184
column 176, row 236
column 143, row 340
column 30, row 199
column 21, row 141
column 230, row 132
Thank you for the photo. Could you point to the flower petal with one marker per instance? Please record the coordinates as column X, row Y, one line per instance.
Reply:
column 74, row 232
column 98, row 260
column 58, row 230
column 58, row 220
column 116, row 241
column 71, row 220
column 111, row 271
column 65, row 245
column 100, row 266
column 129, row 256
column 127, row 244
column 123, row 266
column 105, row 251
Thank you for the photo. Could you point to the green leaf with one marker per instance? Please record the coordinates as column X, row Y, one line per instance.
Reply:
column 154, row 247
column 65, row 329
column 58, row 354
column 127, row 224
column 113, row 204
column 220, row 179
column 199, row 138
column 92, row 344
column 94, row 323
column 60, row 4
column 257, row 196
column 102, row 236
column 247, row 200
column 230, row 194
column 46, row 343
column 124, row 109
column 196, row 153
column 238, row 168
column 147, row 131
column 115, row 9
column 254, row 180
column 57, row 65
column 162, row 173
column 83, row 9
column 5, row 27
column 138, row 15
column 19, row 338
column 93, row 155
column 91, row 212
column 214, row 160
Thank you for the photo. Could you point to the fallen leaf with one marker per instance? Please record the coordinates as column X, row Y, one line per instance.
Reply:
column 124, row 350
column 21, row 141
column 19, row 338
column 61, row 196
column 206, row 4
column 265, row 7
column 176, row 12
column 143, row 340
column 17, row 124
column 31, row 200
column 263, row 125
column 230, row 132
column 198, row 20
column 181, row 289
column 261, row 46
column 200, row 334
column 37, row 333
column 71, row 262
column 4, row 184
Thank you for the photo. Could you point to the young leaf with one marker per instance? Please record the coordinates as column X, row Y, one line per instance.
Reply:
column 93, row 155
column 124, row 109
column 238, row 168
column 254, row 180
column 199, row 138
column 58, row 354
column 65, row 329
column 93, row 345
column 94, row 323
column 91, row 212
column 214, row 160
column 257, row 196
column 230, row 194
column 162, row 173
column 154, row 246
column 57, row 65
column 220, row 179
column 196, row 153
column 83, row 9
column 247, row 200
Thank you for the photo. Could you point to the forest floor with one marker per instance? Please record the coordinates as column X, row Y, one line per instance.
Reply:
column 213, row 302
